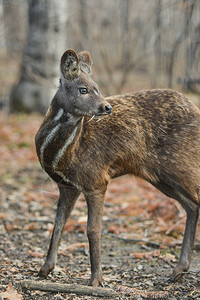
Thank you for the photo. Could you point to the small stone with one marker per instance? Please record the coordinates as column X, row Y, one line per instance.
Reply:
column 149, row 283
column 19, row 277
column 59, row 297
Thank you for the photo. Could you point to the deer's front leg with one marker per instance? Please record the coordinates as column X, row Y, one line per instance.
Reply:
column 95, row 202
column 67, row 199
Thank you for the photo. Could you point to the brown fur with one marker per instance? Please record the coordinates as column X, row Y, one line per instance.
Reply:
column 153, row 134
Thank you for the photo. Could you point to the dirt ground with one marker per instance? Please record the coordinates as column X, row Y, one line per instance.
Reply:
column 133, row 210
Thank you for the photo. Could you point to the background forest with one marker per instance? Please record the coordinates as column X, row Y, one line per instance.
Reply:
column 134, row 44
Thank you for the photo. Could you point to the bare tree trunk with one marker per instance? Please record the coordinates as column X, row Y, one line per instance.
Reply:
column 126, row 48
column 157, row 45
column 83, row 23
column 15, row 20
column 192, row 45
column 173, row 57
column 124, row 9
column 2, row 28
column 45, row 43
column 183, row 35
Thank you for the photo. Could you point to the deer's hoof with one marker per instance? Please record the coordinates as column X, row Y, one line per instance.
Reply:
column 45, row 270
column 179, row 271
column 97, row 281
column 175, row 277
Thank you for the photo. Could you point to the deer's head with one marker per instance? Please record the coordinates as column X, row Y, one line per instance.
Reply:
column 78, row 93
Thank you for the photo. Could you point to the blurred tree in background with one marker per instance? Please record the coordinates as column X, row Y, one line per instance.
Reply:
column 39, row 67
column 134, row 44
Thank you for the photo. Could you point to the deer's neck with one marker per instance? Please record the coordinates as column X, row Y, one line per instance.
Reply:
column 58, row 137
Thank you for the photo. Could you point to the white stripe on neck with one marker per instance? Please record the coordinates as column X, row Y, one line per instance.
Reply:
column 59, row 114
column 63, row 149
column 48, row 139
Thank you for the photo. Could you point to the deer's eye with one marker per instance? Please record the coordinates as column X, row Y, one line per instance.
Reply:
column 83, row 90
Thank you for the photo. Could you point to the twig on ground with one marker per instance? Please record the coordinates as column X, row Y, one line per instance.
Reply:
column 68, row 288
column 127, row 240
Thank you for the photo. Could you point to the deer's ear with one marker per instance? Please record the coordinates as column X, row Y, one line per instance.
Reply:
column 86, row 62
column 69, row 65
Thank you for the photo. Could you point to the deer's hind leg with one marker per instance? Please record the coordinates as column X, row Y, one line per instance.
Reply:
column 67, row 199
column 192, row 211
column 189, row 201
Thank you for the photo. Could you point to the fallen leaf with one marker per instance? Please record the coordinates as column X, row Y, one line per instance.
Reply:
column 75, row 246
column 147, row 255
column 35, row 254
column 169, row 257
column 11, row 293
column 70, row 226
column 31, row 226
column 113, row 229
column 10, row 227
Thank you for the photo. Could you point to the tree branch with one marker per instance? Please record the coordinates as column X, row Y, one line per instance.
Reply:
column 68, row 288
column 127, row 240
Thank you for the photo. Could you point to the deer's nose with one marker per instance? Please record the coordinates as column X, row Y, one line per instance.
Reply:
column 108, row 109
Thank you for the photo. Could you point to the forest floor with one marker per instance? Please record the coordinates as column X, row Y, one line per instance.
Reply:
column 133, row 210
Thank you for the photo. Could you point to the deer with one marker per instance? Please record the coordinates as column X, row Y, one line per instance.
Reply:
column 86, row 140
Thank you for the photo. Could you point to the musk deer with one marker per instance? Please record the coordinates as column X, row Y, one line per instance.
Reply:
column 153, row 134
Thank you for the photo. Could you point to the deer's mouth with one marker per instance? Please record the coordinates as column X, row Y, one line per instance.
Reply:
column 95, row 115
column 102, row 110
